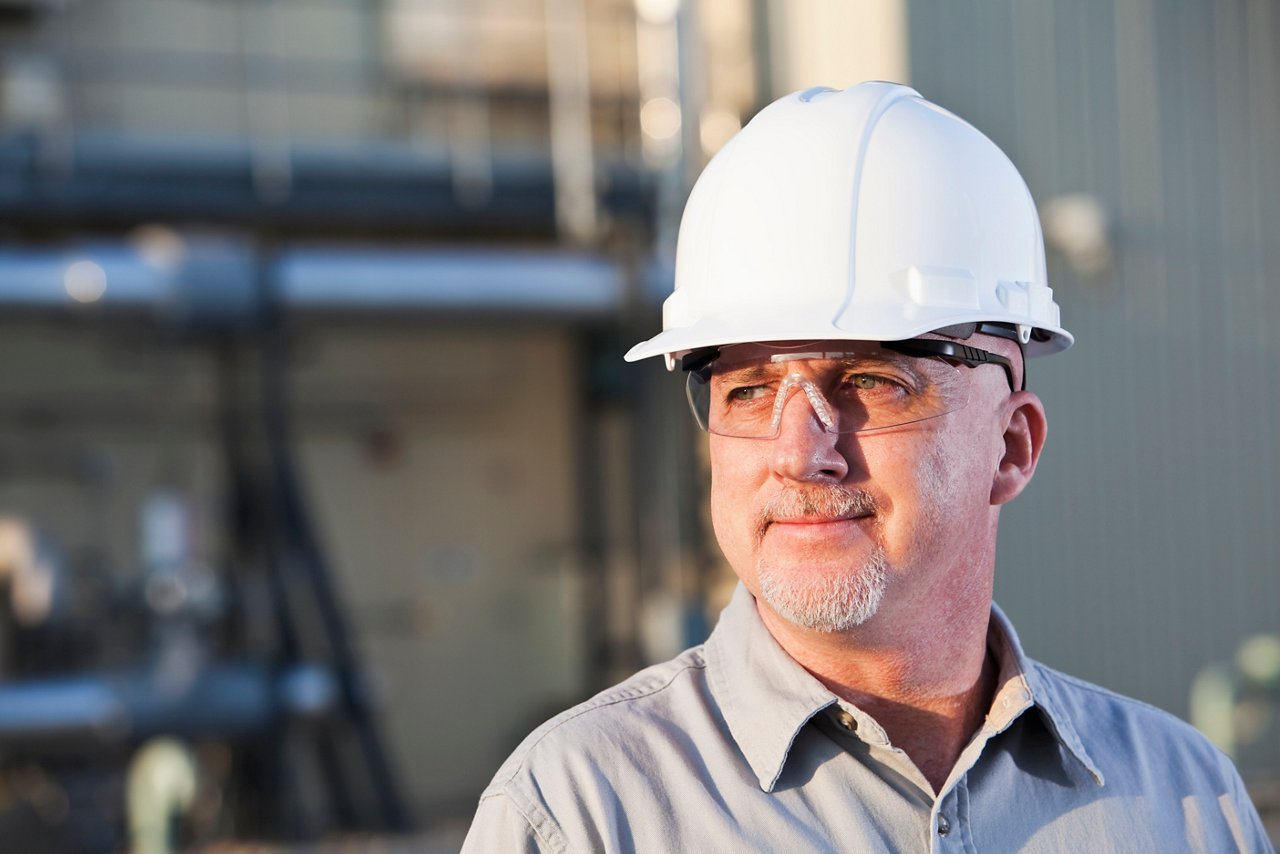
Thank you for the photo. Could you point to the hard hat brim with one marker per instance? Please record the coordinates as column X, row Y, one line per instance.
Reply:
column 720, row 331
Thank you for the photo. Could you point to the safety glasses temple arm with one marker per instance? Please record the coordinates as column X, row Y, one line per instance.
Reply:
column 963, row 353
column 697, row 360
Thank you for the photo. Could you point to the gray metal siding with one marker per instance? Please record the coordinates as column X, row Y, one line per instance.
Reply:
column 1149, row 544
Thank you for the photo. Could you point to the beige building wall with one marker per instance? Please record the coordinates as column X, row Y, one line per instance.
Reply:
column 447, row 496
column 837, row 43
column 439, row 465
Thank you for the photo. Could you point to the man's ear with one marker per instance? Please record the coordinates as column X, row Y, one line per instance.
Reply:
column 1024, row 433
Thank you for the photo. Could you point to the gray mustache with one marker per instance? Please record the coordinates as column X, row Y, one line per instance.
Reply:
column 820, row 501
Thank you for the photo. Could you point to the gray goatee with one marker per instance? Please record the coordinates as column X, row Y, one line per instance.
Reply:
column 827, row 603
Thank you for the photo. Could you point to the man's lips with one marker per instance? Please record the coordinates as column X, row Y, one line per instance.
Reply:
column 819, row 520
column 817, row 531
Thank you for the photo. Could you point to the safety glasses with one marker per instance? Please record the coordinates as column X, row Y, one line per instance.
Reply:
column 742, row 390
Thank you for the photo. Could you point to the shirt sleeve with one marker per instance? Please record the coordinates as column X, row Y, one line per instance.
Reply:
column 498, row 828
column 1242, row 817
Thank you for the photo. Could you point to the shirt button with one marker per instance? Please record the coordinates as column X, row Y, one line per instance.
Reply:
column 847, row 721
column 944, row 826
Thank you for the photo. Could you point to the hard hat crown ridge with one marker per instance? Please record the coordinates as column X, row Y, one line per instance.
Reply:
column 865, row 214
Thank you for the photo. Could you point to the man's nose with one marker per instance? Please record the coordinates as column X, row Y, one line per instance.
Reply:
column 804, row 449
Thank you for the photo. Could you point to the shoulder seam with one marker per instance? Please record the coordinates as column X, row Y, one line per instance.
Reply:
column 529, row 822
column 600, row 701
column 1094, row 688
column 1132, row 702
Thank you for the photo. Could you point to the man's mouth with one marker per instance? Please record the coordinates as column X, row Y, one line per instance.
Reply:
column 817, row 531
column 819, row 520
column 815, row 509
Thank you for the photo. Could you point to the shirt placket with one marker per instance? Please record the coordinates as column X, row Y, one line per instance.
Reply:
column 950, row 827
column 949, row 821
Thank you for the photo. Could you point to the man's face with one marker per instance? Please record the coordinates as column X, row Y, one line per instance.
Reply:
column 828, row 529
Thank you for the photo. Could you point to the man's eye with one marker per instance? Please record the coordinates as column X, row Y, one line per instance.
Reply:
column 746, row 393
column 871, row 382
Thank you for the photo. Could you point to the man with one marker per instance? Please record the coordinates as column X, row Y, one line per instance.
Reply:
column 859, row 278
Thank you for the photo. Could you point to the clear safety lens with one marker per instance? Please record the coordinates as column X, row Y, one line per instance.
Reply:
column 746, row 389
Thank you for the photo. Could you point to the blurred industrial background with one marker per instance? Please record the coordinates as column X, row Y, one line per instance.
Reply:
column 322, row 480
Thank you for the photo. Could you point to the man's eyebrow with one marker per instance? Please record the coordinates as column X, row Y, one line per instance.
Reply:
column 838, row 361
column 748, row 373
column 909, row 370
column 908, row 366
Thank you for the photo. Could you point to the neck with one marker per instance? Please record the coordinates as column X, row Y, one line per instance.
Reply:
column 926, row 678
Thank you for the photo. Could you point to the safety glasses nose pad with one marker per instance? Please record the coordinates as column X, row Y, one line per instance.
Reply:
column 811, row 391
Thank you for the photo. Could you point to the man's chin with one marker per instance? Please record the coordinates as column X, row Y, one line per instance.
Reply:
column 828, row 601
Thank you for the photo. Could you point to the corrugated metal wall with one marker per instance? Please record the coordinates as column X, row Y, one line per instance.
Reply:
column 1149, row 545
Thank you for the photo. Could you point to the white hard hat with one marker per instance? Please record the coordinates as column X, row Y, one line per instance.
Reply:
column 868, row 214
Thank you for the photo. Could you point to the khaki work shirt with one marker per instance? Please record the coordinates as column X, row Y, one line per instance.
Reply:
column 733, row 746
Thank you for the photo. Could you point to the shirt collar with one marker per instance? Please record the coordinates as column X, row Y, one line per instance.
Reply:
column 1021, row 676
column 767, row 698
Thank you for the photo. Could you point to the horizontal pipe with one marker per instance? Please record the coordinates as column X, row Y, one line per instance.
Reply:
column 219, row 700
column 222, row 279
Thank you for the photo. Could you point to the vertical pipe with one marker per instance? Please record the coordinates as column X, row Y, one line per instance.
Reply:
column 266, row 106
column 762, row 51
column 569, row 93
column 659, row 71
